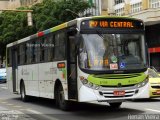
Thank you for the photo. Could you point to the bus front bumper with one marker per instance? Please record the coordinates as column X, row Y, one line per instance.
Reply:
column 107, row 94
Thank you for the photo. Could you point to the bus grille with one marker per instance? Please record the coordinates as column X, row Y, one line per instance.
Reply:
column 156, row 87
column 117, row 76
column 110, row 94
column 155, row 93
column 131, row 85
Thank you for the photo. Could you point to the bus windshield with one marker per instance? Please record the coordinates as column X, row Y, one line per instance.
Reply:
column 106, row 52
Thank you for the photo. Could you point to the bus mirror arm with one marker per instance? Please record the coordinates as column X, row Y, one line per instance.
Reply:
column 77, row 42
column 77, row 38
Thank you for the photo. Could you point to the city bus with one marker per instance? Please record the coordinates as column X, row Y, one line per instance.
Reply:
column 89, row 59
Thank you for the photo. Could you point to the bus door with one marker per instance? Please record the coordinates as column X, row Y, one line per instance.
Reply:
column 14, row 68
column 72, row 68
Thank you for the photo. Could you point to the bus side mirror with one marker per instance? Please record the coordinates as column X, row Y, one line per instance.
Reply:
column 72, row 31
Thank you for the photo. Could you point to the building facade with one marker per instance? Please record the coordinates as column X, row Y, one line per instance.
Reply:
column 96, row 9
column 12, row 4
column 149, row 12
column 4, row 4
column 29, row 2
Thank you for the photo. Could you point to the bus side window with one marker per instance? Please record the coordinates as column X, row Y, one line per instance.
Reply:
column 42, row 42
column 25, row 54
column 18, row 53
column 33, row 54
column 37, row 51
column 59, row 51
column 8, row 59
column 51, row 48
column 9, row 55
column 22, row 54
column 28, row 52
column 46, row 48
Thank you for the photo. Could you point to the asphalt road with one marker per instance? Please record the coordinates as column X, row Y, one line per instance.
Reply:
column 12, row 108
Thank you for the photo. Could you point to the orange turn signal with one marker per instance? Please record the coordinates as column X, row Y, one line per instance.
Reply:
column 61, row 65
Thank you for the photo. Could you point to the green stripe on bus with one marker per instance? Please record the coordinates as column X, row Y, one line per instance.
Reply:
column 59, row 27
column 115, row 80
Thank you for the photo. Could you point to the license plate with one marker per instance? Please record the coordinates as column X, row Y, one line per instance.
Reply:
column 158, row 91
column 119, row 93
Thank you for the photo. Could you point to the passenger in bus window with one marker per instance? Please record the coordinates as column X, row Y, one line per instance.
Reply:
column 83, row 58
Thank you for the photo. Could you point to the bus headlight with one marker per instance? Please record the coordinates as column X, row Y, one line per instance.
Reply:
column 93, row 86
column 85, row 81
column 96, row 87
column 142, row 83
column 88, row 84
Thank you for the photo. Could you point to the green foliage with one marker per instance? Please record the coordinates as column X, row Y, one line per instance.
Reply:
column 49, row 13
column 53, row 12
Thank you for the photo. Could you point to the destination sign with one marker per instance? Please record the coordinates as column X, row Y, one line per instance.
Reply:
column 115, row 23
column 111, row 24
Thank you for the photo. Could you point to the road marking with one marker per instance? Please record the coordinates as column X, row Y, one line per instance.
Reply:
column 17, row 106
column 4, row 102
column 33, row 111
column 2, row 108
column 41, row 114
column 9, row 104
column 3, row 86
column 22, row 109
column 152, row 110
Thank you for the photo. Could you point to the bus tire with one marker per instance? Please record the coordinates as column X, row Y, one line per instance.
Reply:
column 60, row 100
column 115, row 105
column 24, row 97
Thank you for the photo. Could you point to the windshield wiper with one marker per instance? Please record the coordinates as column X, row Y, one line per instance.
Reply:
column 100, row 34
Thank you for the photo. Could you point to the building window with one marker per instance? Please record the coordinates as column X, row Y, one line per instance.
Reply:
column 118, row 1
column 119, row 12
column 154, row 3
column 26, row 2
column 93, row 10
column 136, row 7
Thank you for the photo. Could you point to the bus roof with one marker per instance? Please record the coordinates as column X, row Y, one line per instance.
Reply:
column 62, row 26
column 42, row 33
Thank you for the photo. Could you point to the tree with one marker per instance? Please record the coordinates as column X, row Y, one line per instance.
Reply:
column 49, row 13
column 54, row 12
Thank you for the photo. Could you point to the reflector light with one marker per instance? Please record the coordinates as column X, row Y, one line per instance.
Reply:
column 40, row 34
column 61, row 65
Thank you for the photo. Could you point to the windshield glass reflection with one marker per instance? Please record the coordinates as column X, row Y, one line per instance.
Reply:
column 112, row 52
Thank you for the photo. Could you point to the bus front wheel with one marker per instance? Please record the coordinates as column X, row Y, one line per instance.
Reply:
column 115, row 105
column 60, row 100
column 24, row 97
